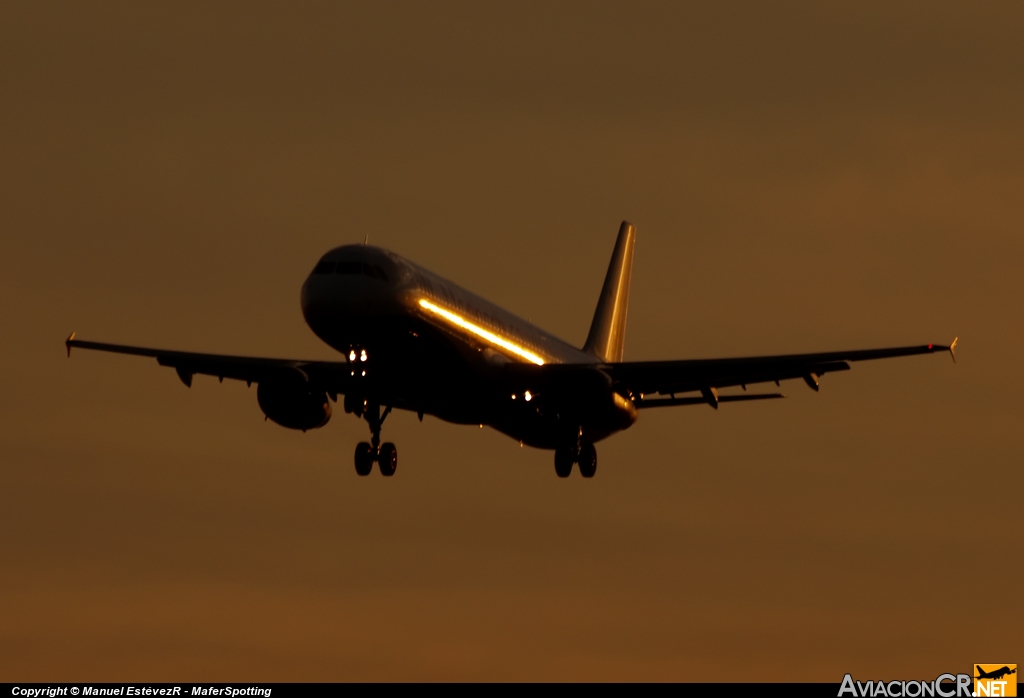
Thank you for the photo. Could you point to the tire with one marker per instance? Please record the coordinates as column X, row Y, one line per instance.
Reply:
column 364, row 459
column 388, row 459
column 563, row 462
column 588, row 460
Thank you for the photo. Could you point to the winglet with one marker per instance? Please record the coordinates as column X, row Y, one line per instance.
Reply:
column 67, row 343
column 952, row 348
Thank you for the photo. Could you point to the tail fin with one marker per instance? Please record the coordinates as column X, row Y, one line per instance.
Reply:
column 608, row 330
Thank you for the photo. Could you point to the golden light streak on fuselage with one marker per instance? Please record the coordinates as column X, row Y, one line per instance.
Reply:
column 480, row 332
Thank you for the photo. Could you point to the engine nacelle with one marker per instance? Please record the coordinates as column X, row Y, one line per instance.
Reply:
column 293, row 404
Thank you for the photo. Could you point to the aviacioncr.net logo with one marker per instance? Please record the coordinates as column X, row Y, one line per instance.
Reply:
column 995, row 680
column 943, row 686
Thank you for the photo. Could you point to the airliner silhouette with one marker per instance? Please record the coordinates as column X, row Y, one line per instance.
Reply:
column 414, row 341
column 996, row 674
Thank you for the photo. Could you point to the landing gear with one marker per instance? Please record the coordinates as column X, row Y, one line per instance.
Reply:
column 385, row 455
column 585, row 455
column 587, row 460
column 388, row 459
column 364, row 459
column 563, row 461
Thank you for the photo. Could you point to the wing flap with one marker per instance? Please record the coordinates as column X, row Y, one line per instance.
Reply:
column 672, row 401
column 725, row 378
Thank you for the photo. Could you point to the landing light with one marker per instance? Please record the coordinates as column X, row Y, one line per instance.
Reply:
column 487, row 335
column 362, row 355
column 352, row 355
column 527, row 396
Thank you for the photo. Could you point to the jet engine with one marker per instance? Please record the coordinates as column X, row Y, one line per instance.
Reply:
column 293, row 403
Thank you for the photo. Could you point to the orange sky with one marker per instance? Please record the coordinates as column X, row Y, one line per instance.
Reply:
column 803, row 177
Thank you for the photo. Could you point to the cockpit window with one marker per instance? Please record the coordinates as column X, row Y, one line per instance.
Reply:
column 371, row 270
column 324, row 268
column 375, row 271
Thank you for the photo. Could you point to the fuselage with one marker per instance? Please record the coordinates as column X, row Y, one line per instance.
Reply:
column 434, row 347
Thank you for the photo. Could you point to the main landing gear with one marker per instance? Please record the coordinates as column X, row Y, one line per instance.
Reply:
column 385, row 455
column 585, row 455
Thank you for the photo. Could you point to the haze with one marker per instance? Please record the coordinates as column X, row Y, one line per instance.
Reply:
column 803, row 177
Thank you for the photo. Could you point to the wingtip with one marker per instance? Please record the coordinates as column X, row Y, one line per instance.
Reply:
column 952, row 348
column 67, row 343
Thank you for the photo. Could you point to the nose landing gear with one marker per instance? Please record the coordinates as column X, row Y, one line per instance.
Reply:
column 386, row 455
column 387, row 458
column 365, row 456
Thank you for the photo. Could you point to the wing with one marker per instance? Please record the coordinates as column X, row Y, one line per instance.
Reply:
column 646, row 379
column 331, row 376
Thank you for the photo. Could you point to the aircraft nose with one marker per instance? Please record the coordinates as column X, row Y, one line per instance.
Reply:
column 320, row 299
column 327, row 297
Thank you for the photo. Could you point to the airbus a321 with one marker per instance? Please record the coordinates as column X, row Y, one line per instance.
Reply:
column 411, row 340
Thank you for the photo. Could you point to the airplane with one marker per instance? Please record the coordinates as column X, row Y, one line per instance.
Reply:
column 996, row 674
column 414, row 341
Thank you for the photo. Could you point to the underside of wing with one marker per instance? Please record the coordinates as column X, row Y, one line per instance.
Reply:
column 645, row 381
column 327, row 375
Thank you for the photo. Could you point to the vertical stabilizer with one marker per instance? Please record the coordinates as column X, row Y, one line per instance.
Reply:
column 608, row 330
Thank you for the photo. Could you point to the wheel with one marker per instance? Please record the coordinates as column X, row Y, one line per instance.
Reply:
column 388, row 459
column 588, row 460
column 364, row 459
column 563, row 461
